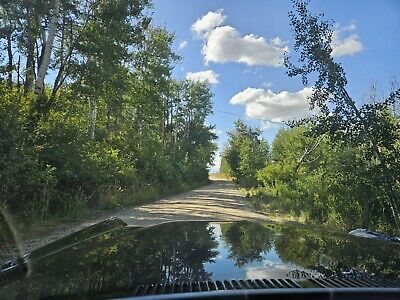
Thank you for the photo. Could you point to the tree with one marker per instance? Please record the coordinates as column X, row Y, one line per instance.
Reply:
column 331, row 185
column 48, row 45
column 9, row 29
column 247, row 242
column 114, row 127
column 369, row 127
column 246, row 153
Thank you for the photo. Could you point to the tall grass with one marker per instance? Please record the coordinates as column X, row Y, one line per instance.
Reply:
column 80, row 206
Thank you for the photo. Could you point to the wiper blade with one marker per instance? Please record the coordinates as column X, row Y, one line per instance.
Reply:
column 374, row 235
column 13, row 270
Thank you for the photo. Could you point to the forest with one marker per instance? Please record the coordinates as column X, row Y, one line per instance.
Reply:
column 91, row 117
column 340, row 167
column 90, row 114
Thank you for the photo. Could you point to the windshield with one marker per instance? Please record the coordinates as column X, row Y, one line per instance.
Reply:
column 173, row 110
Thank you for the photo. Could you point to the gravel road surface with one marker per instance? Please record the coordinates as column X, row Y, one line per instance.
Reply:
column 220, row 200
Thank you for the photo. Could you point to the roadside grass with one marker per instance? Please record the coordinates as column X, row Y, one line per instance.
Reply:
column 277, row 214
column 279, row 211
column 112, row 198
column 268, row 207
column 273, row 211
column 79, row 207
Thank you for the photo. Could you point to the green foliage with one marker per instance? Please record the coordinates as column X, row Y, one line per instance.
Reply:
column 114, row 129
column 372, row 129
column 224, row 167
column 331, row 184
column 248, row 242
column 245, row 154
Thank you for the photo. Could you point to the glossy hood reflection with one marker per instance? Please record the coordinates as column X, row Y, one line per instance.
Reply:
column 118, row 257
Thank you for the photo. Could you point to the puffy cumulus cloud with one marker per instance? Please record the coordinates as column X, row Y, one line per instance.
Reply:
column 345, row 41
column 182, row 45
column 204, row 25
column 203, row 76
column 225, row 44
column 276, row 107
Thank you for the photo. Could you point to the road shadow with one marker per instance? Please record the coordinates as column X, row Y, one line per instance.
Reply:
column 219, row 201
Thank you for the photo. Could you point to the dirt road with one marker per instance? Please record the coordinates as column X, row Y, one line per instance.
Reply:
column 221, row 200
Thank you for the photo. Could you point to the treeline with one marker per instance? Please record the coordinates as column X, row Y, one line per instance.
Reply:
column 340, row 166
column 109, row 126
column 313, row 178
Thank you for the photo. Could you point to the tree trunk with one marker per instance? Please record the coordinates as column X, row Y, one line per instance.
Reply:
column 30, row 69
column 10, row 59
column 61, row 75
column 64, row 61
column 47, row 51
column 39, row 58
column 58, row 81
column 308, row 150
column 30, row 57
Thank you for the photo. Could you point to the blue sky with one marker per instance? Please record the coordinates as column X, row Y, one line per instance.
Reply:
column 238, row 46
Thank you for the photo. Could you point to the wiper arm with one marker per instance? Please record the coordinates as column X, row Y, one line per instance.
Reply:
column 13, row 270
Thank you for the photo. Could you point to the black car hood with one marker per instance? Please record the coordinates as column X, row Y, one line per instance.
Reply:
column 111, row 256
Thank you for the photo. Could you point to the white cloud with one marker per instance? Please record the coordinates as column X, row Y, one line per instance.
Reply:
column 268, row 84
column 267, row 125
column 202, row 27
column 225, row 44
column 182, row 45
column 274, row 269
column 278, row 42
column 203, row 76
column 276, row 107
column 216, row 131
column 345, row 45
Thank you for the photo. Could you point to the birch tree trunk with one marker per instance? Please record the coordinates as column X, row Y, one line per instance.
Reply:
column 47, row 51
